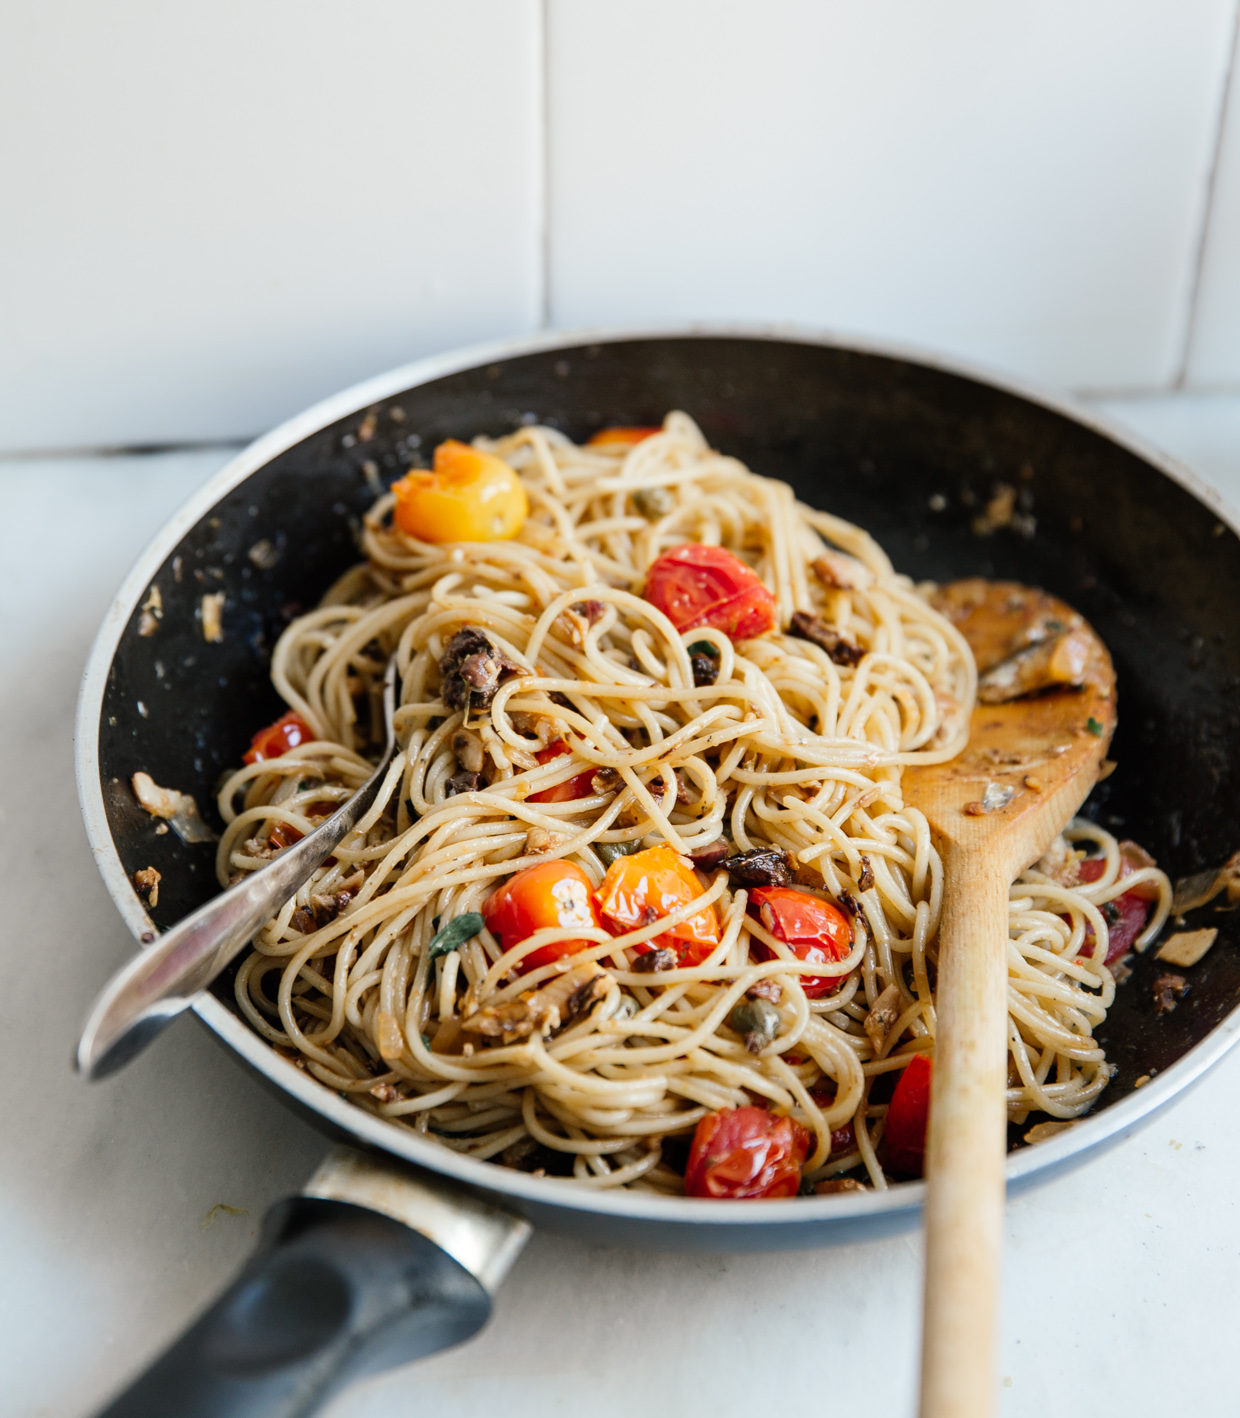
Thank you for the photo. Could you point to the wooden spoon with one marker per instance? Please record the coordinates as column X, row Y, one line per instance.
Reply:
column 1028, row 766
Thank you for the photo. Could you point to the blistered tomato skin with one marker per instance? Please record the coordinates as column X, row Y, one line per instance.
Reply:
column 550, row 894
column 579, row 786
column 696, row 585
column 744, row 1154
column 813, row 929
column 908, row 1114
column 640, row 889
column 289, row 731
column 470, row 496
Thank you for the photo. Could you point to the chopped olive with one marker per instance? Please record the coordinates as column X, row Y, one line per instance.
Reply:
column 651, row 961
column 763, row 866
column 708, row 858
column 705, row 669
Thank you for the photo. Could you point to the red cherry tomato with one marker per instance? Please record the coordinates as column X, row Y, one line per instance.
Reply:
column 1131, row 911
column 843, row 1139
column 288, row 731
column 695, row 585
column 552, row 893
column 629, row 435
column 639, row 889
column 576, row 787
column 904, row 1135
column 811, row 928
column 746, row 1153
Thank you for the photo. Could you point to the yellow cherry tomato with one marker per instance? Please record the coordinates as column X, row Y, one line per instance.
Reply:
column 469, row 497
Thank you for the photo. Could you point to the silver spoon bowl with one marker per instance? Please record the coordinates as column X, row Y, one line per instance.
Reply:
column 157, row 985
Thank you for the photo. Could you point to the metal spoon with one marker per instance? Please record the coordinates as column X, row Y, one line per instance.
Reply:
column 157, row 985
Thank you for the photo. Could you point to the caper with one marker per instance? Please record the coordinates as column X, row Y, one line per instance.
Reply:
column 653, row 502
column 756, row 1021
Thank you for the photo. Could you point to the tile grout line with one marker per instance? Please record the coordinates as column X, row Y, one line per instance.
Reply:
column 544, row 176
column 1180, row 377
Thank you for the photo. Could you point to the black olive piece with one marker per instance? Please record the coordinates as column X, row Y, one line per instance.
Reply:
column 705, row 669
column 816, row 630
column 763, row 866
column 461, row 783
column 652, row 960
column 708, row 858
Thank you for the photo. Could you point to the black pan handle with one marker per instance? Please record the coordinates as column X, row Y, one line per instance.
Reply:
column 337, row 1290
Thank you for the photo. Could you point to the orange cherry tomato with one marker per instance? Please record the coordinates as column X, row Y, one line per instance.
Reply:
column 576, row 787
column 469, row 497
column 621, row 435
column 811, row 928
column 908, row 1113
column 744, row 1153
column 650, row 884
column 552, row 893
column 288, row 731
column 696, row 585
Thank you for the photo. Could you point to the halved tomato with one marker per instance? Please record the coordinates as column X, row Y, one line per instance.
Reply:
column 696, row 585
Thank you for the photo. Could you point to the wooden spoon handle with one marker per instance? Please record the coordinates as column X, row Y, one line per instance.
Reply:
column 967, row 1143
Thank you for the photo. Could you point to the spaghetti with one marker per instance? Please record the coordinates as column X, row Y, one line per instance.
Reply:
column 599, row 729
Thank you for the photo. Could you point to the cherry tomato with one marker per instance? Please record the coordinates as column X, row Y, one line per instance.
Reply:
column 552, row 893
column 641, row 888
column 811, row 928
column 470, row 496
column 288, row 731
column 1131, row 912
column 844, row 1138
column 695, row 585
column 904, row 1135
column 621, row 435
column 746, row 1153
column 576, row 787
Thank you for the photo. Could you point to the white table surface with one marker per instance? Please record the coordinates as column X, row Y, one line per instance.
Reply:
column 1122, row 1280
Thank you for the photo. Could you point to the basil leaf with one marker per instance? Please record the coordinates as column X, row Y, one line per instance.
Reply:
column 454, row 934
column 1094, row 727
column 609, row 852
column 705, row 647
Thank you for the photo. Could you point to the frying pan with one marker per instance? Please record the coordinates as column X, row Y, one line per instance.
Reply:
column 394, row 1248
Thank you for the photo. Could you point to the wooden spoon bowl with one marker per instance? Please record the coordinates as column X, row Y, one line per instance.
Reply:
column 1037, row 743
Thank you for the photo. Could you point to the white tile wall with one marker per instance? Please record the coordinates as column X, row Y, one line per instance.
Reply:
column 216, row 213
column 213, row 214
column 1215, row 354
column 1020, row 183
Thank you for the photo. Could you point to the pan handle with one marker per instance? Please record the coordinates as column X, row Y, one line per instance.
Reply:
column 369, row 1268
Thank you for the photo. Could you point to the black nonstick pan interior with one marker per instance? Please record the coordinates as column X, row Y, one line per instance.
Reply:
column 912, row 452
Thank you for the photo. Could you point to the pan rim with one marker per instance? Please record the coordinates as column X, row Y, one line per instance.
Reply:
column 1027, row 1165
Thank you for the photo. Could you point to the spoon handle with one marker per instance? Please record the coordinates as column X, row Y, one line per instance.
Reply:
column 967, row 1144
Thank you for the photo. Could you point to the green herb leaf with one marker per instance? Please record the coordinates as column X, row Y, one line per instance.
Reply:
column 455, row 934
column 609, row 852
column 1094, row 727
column 705, row 647
column 426, row 1041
